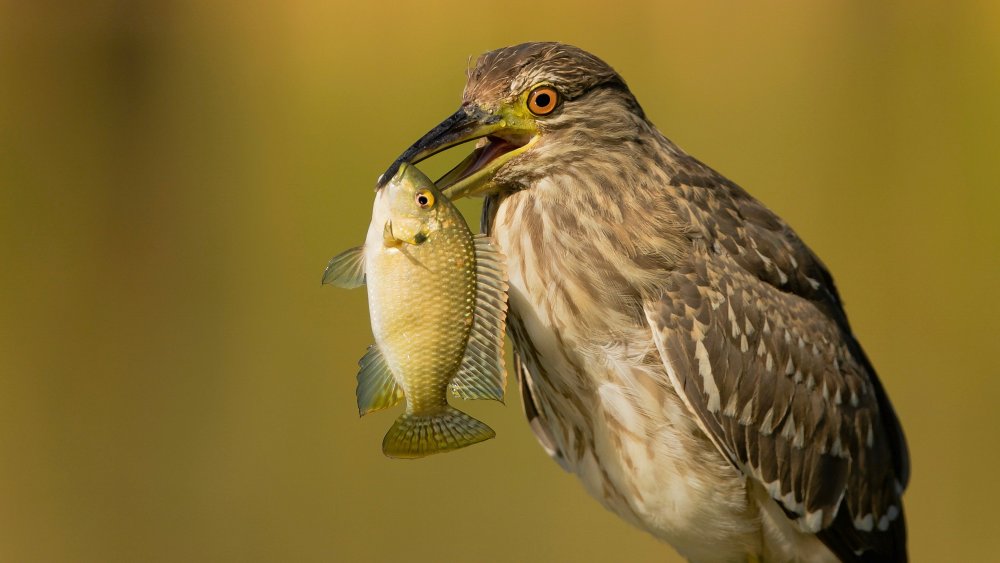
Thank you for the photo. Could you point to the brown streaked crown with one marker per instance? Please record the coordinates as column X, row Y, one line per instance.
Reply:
column 511, row 70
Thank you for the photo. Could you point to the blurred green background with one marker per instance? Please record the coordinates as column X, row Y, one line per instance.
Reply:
column 175, row 385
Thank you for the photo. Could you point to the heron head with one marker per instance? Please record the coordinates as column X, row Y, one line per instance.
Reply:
column 525, row 107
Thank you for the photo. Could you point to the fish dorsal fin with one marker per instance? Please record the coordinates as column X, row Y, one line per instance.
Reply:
column 346, row 269
column 377, row 388
column 481, row 374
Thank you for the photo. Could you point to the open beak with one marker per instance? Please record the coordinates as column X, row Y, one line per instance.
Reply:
column 501, row 138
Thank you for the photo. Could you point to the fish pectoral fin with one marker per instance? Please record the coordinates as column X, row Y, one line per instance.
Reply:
column 388, row 238
column 346, row 269
column 377, row 388
column 418, row 435
column 481, row 374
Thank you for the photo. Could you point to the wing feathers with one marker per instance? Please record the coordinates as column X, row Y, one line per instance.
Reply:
column 763, row 371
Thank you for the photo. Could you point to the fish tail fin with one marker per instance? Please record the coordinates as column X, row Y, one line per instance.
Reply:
column 419, row 435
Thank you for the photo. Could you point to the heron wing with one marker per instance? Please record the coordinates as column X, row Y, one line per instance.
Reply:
column 754, row 338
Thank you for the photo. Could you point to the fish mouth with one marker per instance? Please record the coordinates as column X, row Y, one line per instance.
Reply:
column 500, row 137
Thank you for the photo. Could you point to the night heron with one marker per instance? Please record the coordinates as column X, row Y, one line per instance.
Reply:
column 678, row 347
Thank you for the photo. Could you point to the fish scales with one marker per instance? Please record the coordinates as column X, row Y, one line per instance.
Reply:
column 437, row 300
column 422, row 299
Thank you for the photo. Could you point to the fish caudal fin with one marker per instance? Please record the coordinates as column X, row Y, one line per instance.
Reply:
column 414, row 435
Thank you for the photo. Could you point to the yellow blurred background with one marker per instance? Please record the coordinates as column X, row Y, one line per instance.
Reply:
column 175, row 385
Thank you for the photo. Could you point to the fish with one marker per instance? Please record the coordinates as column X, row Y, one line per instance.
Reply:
column 437, row 297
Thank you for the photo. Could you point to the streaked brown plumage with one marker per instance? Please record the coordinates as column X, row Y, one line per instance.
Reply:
column 678, row 346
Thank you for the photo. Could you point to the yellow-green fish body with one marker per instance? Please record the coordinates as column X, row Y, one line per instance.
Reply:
column 437, row 298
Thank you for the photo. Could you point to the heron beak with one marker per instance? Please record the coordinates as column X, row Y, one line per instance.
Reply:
column 501, row 134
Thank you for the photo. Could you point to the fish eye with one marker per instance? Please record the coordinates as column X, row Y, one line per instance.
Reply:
column 542, row 100
column 424, row 199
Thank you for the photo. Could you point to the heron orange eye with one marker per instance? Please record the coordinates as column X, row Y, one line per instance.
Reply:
column 542, row 100
column 424, row 199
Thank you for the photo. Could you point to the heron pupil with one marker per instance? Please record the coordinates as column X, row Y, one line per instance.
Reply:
column 422, row 200
column 542, row 100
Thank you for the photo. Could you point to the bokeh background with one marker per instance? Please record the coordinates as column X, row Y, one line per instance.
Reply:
column 175, row 384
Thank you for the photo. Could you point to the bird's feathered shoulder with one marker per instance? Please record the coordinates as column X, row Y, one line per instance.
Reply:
column 754, row 337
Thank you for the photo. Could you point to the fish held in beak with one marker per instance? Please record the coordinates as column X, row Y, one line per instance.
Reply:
column 501, row 136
